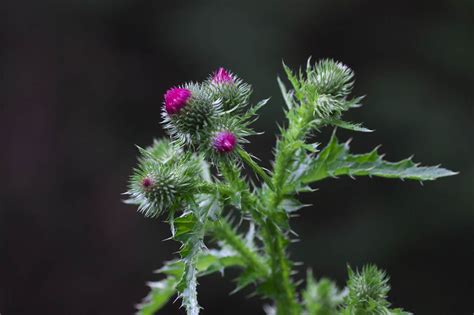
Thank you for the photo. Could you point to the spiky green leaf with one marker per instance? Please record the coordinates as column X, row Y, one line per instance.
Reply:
column 349, row 125
column 160, row 293
column 287, row 96
column 335, row 160
column 249, row 161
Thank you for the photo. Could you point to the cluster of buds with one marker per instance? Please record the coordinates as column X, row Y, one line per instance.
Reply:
column 209, row 116
column 206, row 121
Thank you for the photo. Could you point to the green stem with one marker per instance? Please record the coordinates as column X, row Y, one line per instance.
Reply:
column 300, row 123
column 285, row 293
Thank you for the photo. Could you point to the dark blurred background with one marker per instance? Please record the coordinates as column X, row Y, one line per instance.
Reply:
column 82, row 82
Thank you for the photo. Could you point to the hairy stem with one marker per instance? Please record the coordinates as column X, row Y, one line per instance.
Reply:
column 299, row 125
column 285, row 293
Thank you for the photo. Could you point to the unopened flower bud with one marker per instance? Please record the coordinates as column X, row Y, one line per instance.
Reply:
column 332, row 78
column 189, row 113
column 228, row 89
column 164, row 179
column 224, row 142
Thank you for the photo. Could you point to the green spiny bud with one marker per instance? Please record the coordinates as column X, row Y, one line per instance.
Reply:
column 332, row 78
column 368, row 289
column 165, row 179
column 324, row 87
column 230, row 90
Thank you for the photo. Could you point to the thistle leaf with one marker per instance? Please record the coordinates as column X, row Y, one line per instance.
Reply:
column 161, row 292
column 349, row 125
column 247, row 158
column 292, row 205
column 287, row 96
column 292, row 78
column 335, row 160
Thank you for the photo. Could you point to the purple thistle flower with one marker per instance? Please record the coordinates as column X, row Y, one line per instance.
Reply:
column 222, row 76
column 224, row 142
column 176, row 99
column 147, row 183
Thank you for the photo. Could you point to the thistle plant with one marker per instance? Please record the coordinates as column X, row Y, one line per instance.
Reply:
column 195, row 181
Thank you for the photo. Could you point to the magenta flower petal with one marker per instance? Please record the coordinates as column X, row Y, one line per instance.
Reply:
column 176, row 99
column 225, row 141
column 222, row 76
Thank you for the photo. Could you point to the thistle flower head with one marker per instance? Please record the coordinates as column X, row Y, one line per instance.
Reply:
column 196, row 115
column 367, row 289
column 325, row 87
column 175, row 99
column 331, row 78
column 165, row 179
column 226, row 87
column 224, row 142
column 222, row 76
column 228, row 135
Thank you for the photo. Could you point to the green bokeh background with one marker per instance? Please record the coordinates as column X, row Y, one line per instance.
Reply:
column 82, row 82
